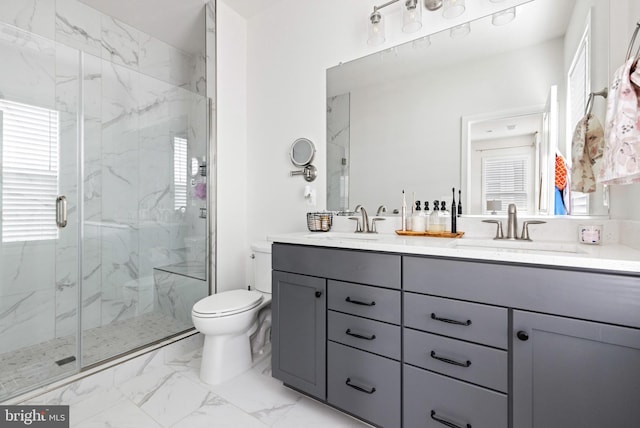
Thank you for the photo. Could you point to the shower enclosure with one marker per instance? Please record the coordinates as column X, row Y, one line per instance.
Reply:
column 104, row 136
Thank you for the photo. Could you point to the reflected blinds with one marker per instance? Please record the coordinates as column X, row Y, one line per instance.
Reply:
column 30, row 140
column 506, row 179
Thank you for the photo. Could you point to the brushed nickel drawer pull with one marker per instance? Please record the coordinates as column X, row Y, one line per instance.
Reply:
column 447, row 423
column 449, row 321
column 449, row 361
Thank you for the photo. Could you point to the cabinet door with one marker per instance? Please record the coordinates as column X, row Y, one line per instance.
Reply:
column 572, row 373
column 299, row 332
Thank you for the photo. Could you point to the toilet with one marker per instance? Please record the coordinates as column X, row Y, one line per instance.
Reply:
column 228, row 319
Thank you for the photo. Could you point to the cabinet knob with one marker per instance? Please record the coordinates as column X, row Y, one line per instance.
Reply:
column 522, row 335
column 318, row 293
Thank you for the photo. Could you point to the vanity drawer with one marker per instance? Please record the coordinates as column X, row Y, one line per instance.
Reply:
column 473, row 322
column 473, row 363
column 361, row 333
column 371, row 302
column 365, row 267
column 429, row 395
column 364, row 384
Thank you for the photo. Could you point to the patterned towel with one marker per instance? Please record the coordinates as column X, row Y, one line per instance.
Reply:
column 587, row 149
column 621, row 160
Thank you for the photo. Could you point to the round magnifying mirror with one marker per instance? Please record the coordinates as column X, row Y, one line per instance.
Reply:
column 302, row 152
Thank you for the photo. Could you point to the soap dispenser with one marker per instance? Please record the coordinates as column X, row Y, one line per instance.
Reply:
column 435, row 224
column 418, row 221
column 427, row 214
column 445, row 217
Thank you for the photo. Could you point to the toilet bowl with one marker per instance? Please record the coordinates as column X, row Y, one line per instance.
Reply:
column 228, row 319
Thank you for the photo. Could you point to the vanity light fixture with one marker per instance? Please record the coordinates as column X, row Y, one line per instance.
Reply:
column 503, row 17
column 411, row 16
column 460, row 31
column 376, row 29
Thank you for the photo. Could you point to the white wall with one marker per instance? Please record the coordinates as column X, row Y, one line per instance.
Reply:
column 290, row 46
column 232, row 247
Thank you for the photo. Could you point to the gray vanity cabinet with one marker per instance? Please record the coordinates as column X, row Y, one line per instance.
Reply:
column 299, row 311
column 574, row 373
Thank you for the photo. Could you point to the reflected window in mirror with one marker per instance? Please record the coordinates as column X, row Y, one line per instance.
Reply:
column 578, row 84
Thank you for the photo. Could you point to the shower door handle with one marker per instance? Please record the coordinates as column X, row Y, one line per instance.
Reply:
column 61, row 211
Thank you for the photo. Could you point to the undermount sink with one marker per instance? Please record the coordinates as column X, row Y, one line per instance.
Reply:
column 550, row 248
column 341, row 236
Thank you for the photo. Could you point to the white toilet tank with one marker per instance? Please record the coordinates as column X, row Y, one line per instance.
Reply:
column 261, row 266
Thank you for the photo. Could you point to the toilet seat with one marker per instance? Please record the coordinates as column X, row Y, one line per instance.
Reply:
column 227, row 303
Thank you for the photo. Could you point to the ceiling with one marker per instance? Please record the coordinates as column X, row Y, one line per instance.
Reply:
column 249, row 8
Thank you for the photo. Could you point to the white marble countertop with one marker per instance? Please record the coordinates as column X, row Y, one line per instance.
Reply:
column 609, row 257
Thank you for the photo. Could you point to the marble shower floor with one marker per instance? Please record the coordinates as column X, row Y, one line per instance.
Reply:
column 171, row 395
column 26, row 367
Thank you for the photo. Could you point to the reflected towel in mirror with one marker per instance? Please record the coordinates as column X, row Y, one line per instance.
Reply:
column 587, row 149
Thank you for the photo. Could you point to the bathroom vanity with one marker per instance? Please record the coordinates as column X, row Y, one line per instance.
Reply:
column 422, row 335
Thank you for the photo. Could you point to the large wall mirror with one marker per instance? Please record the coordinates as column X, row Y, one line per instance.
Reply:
column 487, row 113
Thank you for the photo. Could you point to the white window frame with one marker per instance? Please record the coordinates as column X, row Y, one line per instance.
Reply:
column 575, row 111
column 30, row 171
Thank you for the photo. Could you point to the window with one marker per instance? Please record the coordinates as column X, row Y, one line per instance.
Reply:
column 579, row 82
column 30, row 140
column 506, row 179
column 180, row 172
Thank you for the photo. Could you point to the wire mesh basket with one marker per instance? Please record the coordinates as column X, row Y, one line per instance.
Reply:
column 319, row 222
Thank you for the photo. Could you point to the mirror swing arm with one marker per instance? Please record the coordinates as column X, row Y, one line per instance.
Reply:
column 301, row 154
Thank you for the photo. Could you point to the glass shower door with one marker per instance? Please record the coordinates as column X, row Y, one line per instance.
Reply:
column 39, row 232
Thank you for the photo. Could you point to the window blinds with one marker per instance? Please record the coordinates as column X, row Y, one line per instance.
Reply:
column 180, row 172
column 506, row 179
column 30, row 143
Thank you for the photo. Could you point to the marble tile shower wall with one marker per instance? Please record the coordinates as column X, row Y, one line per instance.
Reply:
column 338, row 125
column 138, row 93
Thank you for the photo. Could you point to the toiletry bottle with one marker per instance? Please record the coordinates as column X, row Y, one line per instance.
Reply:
column 445, row 217
column 404, row 214
column 459, row 203
column 418, row 219
column 434, row 219
column 427, row 214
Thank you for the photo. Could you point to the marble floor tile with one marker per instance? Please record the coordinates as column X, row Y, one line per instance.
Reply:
column 168, row 393
column 308, row 413
column 260, row 396
column 125, row 414
column 165, row 394
column 215, row 411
